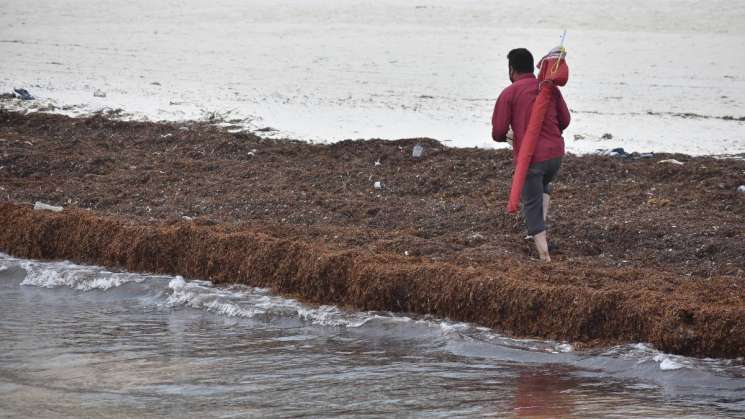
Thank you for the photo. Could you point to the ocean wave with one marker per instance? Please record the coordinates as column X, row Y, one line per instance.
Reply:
column 65, row 274
column 241, row 301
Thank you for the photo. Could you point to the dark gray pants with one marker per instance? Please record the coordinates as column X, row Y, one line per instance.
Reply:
column 538, row 182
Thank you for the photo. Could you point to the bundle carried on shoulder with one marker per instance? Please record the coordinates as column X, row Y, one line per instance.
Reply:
column 554, row 72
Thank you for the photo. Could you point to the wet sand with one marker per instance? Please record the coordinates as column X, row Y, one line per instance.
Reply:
column 648, row 251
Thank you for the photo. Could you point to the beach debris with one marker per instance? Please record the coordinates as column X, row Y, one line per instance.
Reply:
column 252, row 152
column 620, row 152
column 615, row 152
column 166, row 135
column 377, row 162
column 155, row 83
column 578, row 137
column 418, row 151
column 49, row 107
column 606, row 136
column 99, row 93
column 40, row 206
column 741, row 189
column 658, row 202
column 187, row 218
column 23, row 94
column 475, row 238
column 378, row 185
column 406, row 253
column 671, row 161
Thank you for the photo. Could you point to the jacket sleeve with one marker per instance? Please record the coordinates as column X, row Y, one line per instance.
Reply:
column 500, row 120
column 562, row 111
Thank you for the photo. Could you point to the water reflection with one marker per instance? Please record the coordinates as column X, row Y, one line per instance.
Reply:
column 539, row 393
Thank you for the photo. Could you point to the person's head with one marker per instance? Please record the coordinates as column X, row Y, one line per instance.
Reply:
column 520, row 61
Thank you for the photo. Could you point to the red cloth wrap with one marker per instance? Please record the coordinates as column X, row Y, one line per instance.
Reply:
column 550, row 75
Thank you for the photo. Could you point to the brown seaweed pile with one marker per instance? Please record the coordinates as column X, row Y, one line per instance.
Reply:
column 649, row 251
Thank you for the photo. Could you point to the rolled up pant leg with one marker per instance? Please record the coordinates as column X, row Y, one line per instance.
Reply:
column 532, row 198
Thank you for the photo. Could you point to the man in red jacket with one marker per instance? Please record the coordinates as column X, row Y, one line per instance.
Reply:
column 513, row 109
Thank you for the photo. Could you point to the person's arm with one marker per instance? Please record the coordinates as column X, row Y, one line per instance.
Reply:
column 562, row 111
column 500, row 120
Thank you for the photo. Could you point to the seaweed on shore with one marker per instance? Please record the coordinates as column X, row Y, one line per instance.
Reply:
column 648, row 251
column 563, row 301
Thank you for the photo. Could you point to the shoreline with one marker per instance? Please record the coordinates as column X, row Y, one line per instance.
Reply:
column 306, row 220
column 579, row 144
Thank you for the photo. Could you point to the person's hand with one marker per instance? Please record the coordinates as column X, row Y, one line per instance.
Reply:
column 509, row 136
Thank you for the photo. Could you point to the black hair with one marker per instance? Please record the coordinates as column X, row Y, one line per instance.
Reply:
column 521, row 60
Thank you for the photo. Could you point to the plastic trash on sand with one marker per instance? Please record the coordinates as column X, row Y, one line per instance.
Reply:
column 23, row 94
column 615, row 152
column 671, row 161
column 741, row 189
column 620, row 152
column 418, row 151
column 40, row 206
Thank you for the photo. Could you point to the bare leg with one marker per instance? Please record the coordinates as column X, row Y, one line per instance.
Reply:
column 546, row 203
column 541, row 244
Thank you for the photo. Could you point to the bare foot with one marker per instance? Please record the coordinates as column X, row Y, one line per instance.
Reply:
column 541, row 244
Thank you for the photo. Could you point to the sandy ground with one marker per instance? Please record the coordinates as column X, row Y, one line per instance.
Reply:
column 663, row 238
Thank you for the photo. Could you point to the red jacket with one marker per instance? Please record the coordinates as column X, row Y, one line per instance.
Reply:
column 513, row 108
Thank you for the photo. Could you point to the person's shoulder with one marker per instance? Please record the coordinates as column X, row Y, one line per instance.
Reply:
column 526, row 85
column 525, row 82
column 508, row 91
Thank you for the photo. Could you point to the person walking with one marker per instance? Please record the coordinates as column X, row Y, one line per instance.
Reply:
column 512, row 110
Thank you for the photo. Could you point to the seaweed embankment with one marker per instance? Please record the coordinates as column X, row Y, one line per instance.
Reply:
column 648, row 251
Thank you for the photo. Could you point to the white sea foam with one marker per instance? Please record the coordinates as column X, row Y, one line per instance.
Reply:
column 667, row 362
column 645, row 355
column 202, row 295
column 451, row 328
column 65, row 274
column 249, row 302
column 564, row 347
column 324, row 315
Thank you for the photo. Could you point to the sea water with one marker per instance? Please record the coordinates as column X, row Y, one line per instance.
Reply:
column 657, row 75
column 84, row 341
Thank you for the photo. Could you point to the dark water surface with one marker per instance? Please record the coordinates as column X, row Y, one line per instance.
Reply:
column 80, row 341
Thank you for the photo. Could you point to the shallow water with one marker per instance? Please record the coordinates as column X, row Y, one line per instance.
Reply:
column 83, row 341
column 659, row 75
